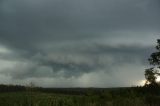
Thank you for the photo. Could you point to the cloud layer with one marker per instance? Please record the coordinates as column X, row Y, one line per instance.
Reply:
column 77, row 43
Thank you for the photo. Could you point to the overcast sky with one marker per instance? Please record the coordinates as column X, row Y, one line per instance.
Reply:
column 77, row 43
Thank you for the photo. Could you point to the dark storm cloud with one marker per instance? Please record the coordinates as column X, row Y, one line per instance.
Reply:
column 75, row 63
column 25, row 23
column 59, row 38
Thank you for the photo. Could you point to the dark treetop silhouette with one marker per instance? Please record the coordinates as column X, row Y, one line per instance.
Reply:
column 151, row 74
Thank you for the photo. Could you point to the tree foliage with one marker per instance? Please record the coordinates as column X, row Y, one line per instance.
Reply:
column 151, row 74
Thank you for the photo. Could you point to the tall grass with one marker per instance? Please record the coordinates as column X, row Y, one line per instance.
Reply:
column 90, row 99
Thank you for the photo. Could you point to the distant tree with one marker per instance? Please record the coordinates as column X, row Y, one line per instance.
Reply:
column 151, row 74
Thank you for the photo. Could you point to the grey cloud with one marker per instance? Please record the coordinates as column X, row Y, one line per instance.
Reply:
column 58, row 38
column 78, row 62
column 26, row 23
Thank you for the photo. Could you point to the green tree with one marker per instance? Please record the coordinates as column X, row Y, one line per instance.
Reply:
column 151, row 74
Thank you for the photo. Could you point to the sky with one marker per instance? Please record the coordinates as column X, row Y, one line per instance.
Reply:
column 77, row 43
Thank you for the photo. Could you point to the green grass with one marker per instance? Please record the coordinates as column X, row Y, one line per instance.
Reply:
column 50, row 99
column 82, row 97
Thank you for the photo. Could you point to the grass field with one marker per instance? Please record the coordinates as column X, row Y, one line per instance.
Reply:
column 118, row 97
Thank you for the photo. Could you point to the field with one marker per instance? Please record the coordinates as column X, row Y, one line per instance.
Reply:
column 81, row 97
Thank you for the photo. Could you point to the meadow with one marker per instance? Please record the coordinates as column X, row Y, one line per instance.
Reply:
column 134, row 96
